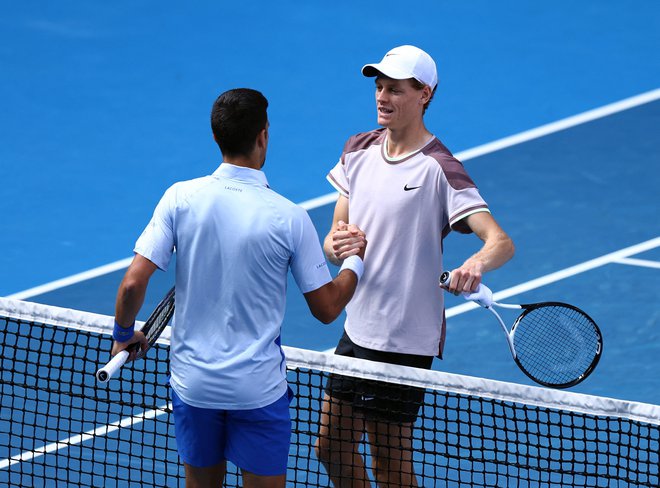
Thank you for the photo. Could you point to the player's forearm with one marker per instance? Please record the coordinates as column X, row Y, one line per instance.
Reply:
column 496, row 251
column 132, row 290
column 337, row 294
column 327, row 302
column 130, row 298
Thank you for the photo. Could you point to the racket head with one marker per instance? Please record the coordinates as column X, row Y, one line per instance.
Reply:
column 557, row 345
column 158, row 320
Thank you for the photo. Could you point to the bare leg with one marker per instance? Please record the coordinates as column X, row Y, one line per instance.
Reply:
column 337, row 444
column 209, row 477
column 391, row 452
column 251, row 480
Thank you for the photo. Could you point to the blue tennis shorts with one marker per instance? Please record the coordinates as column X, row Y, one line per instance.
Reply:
column 255, row 440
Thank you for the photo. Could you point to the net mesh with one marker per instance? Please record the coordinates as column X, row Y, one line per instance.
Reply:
column 59, row 427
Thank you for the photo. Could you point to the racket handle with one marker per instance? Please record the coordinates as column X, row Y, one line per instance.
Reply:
column 483, row 296
column 108, row 371
column 445, row 278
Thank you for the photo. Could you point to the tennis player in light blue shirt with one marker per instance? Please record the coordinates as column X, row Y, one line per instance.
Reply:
column 235, row 240
column 230, row 356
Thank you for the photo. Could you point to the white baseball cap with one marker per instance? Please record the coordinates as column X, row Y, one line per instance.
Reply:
column 405, row 62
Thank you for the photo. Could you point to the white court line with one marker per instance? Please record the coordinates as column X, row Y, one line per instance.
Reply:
column 329, row 198
column 73, row 279
column 562, row 124
column 80, row 438
column 610, row 258
column 645, row 263
column 562, row 274
column 317, row 202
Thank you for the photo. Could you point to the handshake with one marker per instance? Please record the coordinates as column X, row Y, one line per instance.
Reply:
column 345, row 240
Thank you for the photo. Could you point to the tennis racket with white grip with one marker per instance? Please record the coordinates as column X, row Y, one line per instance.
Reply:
column 152, row 329
column 553, row 343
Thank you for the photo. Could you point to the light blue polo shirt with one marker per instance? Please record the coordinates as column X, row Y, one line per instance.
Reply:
column 235, row 240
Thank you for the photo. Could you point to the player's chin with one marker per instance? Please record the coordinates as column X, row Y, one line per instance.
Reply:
column 384, row 120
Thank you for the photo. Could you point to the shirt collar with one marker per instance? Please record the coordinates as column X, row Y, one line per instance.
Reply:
column 241, row 173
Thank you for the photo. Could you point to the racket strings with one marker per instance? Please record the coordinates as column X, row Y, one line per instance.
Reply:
column 161, row 319
column 556, row 344
column 157, row 321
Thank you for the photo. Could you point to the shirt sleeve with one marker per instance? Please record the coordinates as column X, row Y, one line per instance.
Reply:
column 308, row 265
column 156, row 243
column 465, row 203
column 337, row 178
column 462, row 197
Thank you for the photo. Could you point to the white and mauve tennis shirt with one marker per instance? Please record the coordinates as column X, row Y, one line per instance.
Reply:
column 405, row 206
column 235, row 240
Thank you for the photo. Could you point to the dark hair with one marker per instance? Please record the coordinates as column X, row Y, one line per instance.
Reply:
column 237, row 118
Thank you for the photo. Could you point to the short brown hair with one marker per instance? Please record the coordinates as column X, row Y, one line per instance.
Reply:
column 418, row 85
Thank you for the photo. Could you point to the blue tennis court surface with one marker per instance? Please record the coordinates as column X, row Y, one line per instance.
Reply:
column 106, row 105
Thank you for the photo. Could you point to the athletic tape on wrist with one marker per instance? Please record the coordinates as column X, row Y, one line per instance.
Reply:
column 355, row 264
column 122, row 334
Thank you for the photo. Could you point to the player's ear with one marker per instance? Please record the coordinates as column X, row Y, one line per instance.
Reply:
column 426, row 94
column 262, row 137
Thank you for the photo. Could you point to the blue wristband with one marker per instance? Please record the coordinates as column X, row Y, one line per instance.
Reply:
column 122, row 334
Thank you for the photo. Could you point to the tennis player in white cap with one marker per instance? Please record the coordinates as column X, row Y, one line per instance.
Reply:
column 406, row 190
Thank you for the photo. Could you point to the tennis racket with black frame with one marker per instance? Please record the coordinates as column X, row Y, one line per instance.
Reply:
column 152, row 330
column 555, row 344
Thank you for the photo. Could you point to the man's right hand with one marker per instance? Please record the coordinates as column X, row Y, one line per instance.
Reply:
column 139, row 338
column 348, row 240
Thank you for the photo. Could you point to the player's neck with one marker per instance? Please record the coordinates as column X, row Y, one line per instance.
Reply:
column 254, row 160
column 244, row 163
column 406, row 140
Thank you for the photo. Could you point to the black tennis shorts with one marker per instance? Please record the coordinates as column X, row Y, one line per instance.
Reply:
column 378, row 400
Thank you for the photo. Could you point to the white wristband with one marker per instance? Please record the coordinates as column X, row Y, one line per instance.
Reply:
column 355, row 264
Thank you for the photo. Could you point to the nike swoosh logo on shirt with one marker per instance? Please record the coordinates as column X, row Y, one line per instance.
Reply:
column 408, row 188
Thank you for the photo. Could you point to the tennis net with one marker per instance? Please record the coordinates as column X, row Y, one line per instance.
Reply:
column 59, row 427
